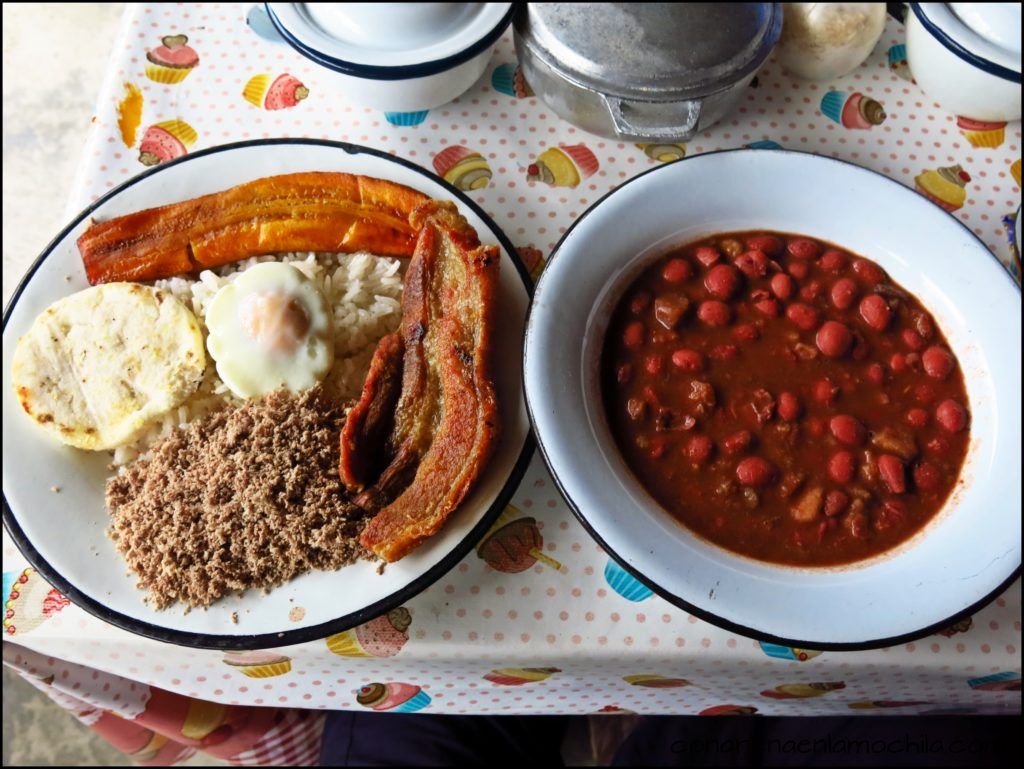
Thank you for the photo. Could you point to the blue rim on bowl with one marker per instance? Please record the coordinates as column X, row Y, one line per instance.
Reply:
column 985, row 65
column 542, row 406
column 398, row 72
column 312, row 632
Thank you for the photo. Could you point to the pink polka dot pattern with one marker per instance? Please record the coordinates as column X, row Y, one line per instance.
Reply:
column 558, row 612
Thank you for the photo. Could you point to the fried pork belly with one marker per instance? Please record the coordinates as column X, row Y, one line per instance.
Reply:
column 370, row 421
column 446, row 422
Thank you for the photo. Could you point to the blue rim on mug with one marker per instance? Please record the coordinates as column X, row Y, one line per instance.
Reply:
column 400, row 72
column 954, row 47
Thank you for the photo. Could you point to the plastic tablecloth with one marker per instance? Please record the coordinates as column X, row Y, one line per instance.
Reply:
column 564, row 630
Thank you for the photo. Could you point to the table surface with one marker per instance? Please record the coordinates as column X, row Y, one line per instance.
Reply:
column 578, row 638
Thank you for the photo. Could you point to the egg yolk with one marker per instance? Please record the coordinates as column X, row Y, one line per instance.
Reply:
column 274, row 321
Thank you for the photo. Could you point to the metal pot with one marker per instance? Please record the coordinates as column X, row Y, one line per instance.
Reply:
column 644, row 71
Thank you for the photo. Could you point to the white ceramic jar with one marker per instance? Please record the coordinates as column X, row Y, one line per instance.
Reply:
column 967, row 57
column 397, row 57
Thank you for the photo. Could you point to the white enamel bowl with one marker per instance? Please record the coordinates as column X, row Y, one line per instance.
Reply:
column 398, row 57
column 62, row 535
column 972, row 547
column 966, row 56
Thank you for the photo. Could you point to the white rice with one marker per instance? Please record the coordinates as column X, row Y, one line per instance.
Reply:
column 364, row 292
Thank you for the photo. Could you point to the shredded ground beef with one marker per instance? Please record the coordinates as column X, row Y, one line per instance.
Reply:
column 239, row 499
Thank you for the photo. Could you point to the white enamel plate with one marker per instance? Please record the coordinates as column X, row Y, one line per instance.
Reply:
column 63, row 535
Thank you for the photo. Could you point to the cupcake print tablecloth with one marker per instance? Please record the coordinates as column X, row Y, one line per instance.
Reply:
column 550, row 625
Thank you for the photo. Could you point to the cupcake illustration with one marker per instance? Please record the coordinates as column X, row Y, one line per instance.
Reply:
column 259, row 664
column 875, row 704
column 222, row 729
column 944, row 186
column 29, row 601
column 563, row 166
column 998, row 682
column 898, row 62
column 664, row 153
column 147, row 744
column 960, row 627
column 533, row 260
column 519, row 676
column 1015, row 171
column 381, row 637
column 514, row 544
column 462, row 167
column 763, row 144
column 624, row 583
column 656, row 682
column 129, row 113
column 152, row 745
column 202, row 719
column 396, row 697
column 508, row 79
column 853, row 110
column 171, row 62
column 406, row 119
column 981, row 133
column 166, row 141
column 787, row 652
column 802, row 691
column 270, row 93
column 142, row 744
column 729, row 710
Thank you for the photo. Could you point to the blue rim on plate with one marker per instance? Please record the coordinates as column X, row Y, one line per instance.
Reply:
column 973, row 59
column 693, row 609
column 399, row 72
column 313, row 632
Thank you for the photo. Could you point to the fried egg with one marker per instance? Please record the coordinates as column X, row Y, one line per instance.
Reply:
column 97, row 367
column 270, row 328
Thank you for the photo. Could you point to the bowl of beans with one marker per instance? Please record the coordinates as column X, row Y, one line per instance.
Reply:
column 779, row 388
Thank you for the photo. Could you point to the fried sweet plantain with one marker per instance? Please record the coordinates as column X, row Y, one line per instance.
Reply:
column 315, row 211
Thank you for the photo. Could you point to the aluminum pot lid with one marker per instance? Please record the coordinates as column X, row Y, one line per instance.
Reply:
column 390, row 40
column 653, row 51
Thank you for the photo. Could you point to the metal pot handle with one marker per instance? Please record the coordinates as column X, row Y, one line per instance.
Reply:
column 654, row 128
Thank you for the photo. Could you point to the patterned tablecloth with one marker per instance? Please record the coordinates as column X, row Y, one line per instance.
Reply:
column 566, row 630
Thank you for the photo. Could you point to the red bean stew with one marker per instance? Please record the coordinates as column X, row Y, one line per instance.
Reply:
column 784, row 398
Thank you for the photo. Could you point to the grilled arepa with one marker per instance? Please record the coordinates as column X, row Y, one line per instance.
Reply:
column 97, row 367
